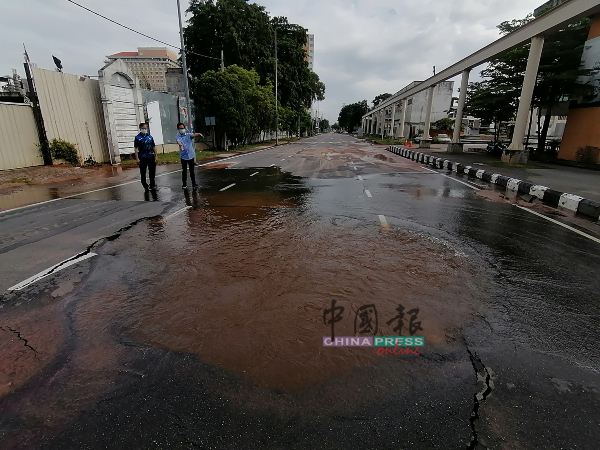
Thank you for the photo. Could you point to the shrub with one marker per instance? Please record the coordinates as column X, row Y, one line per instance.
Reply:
column 60, row 149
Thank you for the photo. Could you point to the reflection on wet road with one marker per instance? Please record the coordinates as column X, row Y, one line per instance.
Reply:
column 200, row 322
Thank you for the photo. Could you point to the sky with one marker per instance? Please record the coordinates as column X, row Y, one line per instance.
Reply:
column 362, row 47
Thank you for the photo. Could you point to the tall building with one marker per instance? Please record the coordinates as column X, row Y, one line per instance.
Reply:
column 150, row 64
column 309, row 48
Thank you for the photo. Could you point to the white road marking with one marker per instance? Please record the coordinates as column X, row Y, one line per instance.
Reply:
column 134, row 181
column 354, row 167
column 227, row 187
column 49, row 271
column 368, row 193
column 384, row 224
column 272, row 165
column 560, row 223
column 360, row 178
column 255, row 173
column 176, row 213
column 461, row 182
column 431, row 170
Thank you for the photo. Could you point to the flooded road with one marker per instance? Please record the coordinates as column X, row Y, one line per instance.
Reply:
column 200, row 319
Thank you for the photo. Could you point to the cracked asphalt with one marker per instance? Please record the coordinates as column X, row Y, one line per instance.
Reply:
column 195, row 319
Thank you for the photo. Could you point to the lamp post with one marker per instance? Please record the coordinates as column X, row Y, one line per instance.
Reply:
column 185, row 72
column 276, row 96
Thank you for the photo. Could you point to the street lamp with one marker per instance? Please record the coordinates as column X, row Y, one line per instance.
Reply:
column 185, row 72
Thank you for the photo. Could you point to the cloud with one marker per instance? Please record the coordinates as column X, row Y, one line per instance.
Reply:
column 362, row 47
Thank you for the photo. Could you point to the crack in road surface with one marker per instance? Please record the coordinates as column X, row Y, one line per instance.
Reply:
column 21, row 338
column 484, row 375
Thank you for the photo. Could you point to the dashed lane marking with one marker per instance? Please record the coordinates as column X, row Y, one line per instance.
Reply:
column 368, row 193
column 175, row 214
column 227, row 187
column 360, row 178
column 255, row 173
column 384, row 224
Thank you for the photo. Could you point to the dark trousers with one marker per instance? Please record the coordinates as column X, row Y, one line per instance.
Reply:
column 150, row 164
column 184, row 164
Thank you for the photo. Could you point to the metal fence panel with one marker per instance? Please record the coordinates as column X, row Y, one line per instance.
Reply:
column 72, row 110
column 18, row 137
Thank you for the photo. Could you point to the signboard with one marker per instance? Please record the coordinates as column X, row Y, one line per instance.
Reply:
column 210, row 121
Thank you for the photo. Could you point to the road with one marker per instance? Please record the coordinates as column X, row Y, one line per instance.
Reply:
column 197, row 319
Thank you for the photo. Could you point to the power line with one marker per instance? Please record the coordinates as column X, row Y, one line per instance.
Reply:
column 141, row 34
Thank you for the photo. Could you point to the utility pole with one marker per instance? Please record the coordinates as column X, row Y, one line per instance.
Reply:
column 185, row 72
column 276, row 96
column 223, row 70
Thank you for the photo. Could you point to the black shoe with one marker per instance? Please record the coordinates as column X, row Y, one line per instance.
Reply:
column 195, row 186
column 153, row 187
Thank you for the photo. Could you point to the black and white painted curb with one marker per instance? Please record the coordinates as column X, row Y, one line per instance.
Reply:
column 549, row 196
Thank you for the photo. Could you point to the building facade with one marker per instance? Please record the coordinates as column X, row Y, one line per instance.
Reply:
column 309, row 48
column 150, row 64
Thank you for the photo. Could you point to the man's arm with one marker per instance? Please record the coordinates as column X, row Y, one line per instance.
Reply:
column 135, row 148
column 155, row 153
column 195, row 135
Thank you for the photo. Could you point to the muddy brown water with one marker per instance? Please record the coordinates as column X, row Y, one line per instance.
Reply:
column 244, row 287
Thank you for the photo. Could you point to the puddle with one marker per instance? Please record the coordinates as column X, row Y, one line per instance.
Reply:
column 248, row 295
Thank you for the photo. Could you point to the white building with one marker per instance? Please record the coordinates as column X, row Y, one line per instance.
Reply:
column 150, row 64
column 309, row 47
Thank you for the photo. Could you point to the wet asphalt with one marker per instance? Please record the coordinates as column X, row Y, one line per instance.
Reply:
column 199, row 322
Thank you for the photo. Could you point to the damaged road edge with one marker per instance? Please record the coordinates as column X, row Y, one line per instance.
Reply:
column 86, row 254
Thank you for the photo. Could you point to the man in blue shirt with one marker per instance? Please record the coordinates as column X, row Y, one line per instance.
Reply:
column 146, row 155
column 187, row 153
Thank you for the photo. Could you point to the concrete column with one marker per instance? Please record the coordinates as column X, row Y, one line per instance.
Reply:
column 382, row 115
column 393, row 135
column 372, row 124
column 430, row 93
column 464, row 85
column 402, row 118
column 533, row 63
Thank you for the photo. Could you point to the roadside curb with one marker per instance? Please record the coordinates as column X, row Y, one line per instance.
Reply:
column 571, row 202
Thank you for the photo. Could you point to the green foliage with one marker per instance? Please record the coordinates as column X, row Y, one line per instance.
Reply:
column 324, row 124
column 443, row 124
column 380, row 98
column 246, row 34
column 241, row 106
column 351, row 115
column 60, row 149
column 335, row 126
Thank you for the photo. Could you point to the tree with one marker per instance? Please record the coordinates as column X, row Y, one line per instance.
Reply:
column 443, row 124
column 351, row 115
column 241, row 106
column 246, row 34
column 380, row 98
column 335, row 126
column 325, row 124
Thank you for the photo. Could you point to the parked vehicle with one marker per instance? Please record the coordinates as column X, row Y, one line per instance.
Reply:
column 496, row 148
column 442, row 139
column 417, row 138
